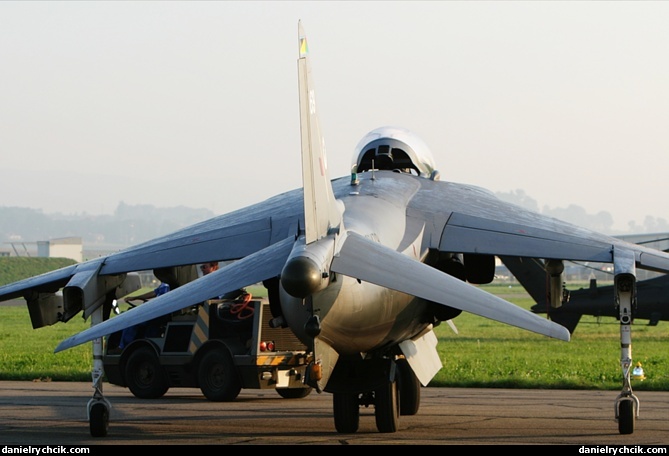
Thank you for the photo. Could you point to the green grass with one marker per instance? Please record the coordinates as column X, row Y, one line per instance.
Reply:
column 484, row 353
column 490, row 354
column 13, row 269
column 27, row 353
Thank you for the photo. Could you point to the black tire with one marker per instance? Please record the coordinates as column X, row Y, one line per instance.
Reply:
column 346, row 408
column 294, row 393
column 626, row 417
column 409, row 389
column 387, row 407
column 99, row 420
column 144, row 375
column 217, row 376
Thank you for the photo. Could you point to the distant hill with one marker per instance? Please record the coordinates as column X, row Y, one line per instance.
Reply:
column 129, row 225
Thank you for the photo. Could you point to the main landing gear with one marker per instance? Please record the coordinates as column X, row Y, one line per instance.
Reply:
column 397, row 395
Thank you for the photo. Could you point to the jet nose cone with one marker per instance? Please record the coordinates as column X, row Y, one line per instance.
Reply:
column 301, row 277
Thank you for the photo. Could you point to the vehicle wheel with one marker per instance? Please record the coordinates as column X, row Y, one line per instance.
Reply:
column 346, row 412
column 217, row 377
column 294, row 393
column 409, row 388
column 144, row 375
column 99, row 420
column 387, row 407
column 626, row 417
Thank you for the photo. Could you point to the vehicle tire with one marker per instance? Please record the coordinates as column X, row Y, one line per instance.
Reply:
column 626, row 417
column 409, row 388
column 99, row 420
column 387, row 407
column 217, row 376
column 144, row 375
column 294, row 393
column 346, row 410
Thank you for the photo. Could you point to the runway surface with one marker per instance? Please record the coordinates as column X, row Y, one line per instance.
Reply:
column 53, row 413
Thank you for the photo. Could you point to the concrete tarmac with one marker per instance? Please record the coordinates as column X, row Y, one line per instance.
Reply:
column 54, row 413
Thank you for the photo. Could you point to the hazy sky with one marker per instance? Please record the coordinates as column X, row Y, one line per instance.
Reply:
column 195, row 103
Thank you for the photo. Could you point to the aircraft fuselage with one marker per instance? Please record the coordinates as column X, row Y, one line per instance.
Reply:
column 357, row 316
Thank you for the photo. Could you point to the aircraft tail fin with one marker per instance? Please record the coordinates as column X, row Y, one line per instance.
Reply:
column 320, row 207
column 568, row 320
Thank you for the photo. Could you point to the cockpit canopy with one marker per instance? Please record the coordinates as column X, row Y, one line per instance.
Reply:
column 393, row 148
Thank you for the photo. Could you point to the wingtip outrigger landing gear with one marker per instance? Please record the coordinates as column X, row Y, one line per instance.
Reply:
column 626, row 404
column 98, row 407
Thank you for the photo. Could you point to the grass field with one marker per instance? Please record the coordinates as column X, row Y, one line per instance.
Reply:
column 484, row 353
column 490, row 354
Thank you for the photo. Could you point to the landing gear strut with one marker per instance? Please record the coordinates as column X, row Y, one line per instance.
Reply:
column 626, row 404
column 98, row 407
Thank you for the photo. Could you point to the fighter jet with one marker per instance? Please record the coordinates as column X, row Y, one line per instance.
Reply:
column 361, row 268
column 652, row 293
column 652, row 303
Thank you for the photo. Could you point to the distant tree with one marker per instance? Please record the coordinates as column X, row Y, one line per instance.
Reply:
column 655, row 225
column 520, row 198
column 602, row 221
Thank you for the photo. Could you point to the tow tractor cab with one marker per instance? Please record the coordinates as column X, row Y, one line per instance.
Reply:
column 220, row 346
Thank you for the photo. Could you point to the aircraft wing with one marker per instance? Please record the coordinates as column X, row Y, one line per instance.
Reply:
column 48, row 282
column 469, row 219
column 458, row 218
column 227, row 237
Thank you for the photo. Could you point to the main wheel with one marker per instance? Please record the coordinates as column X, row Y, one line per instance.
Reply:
column 99, row 420
column 387, row 407
column 346, row 412
column 144, row 375
column 294, row 393
column 409, row 389
column 626, row 417
column 218, row 377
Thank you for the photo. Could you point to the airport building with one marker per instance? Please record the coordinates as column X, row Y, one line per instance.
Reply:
column 70, row 247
